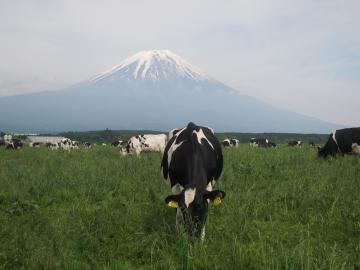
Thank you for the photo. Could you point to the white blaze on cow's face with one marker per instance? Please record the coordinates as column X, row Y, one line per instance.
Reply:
column 189, row 196
column 192, row 206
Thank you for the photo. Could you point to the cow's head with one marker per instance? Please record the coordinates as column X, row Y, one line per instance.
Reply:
column 194, row 207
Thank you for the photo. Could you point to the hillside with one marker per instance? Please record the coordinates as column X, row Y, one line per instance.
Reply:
column 153, row 90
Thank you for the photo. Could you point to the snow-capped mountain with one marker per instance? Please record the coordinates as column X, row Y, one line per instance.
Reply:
column 153, row 65
column 155, row 90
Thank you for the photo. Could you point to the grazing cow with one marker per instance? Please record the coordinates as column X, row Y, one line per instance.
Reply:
column 294, row 143
column 312, row 144
column 52, row 146
column 35, row 144
column 74, row 144
column 342, row 141
column 103, row 144
column 65, row 144
column 87, row 145
column 234, row 142
column 14, row 144
column 117, row 143
column 230, row 143
column 261, row 142
column 145, row 143
column 191, row 164
column 226, row 143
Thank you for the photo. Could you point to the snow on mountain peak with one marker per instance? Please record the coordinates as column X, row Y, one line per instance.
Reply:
column 153, row 65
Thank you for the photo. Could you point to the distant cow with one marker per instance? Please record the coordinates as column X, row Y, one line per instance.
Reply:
column 342, row 141
column 14, row 144
column 65, row 144
column 295, row 143
column 52, row 146
column 261, row 142
column 230, row 143
column 226, row 143
column 87, row 145
column 145, row 143
column 117, row 143
column 312, row 144
column 191, row 164
column 234, row 142
column 74, row 144
column 35, row 144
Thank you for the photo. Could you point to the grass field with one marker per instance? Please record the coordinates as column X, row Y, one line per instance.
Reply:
column 93, row 209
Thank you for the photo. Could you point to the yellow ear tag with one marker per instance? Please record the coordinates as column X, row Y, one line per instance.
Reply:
column 217, row 201
column 173, row 204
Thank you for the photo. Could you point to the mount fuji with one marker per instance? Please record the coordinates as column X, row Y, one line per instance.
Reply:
column 156, row 90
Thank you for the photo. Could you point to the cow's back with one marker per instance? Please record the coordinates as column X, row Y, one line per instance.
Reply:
column 346, row 138
column 193, row 151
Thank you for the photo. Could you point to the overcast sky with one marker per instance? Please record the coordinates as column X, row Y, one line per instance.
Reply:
column 299, row 55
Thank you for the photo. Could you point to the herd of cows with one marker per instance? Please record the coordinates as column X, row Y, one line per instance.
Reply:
column 342, row 141
column 192, row 162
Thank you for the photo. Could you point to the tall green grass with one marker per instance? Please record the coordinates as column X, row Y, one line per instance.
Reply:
column 94, row 209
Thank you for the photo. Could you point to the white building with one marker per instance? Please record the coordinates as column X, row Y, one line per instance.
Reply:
column 45, row 139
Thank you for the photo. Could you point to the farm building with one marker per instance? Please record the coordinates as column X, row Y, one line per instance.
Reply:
column 44, row 139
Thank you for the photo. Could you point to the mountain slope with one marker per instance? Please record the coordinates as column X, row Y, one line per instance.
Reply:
column 150, row 90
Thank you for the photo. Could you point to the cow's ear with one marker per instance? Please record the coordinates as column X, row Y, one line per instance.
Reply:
column 216, row 196
column 172, row 201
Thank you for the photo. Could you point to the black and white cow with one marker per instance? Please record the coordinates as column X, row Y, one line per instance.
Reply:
column 35, row 144
column 52, row 145
column 295, row 143
column 65, row 144
column 74, row 144
column 230, row 143
column 117, row 143
column 261, row 142
column 312, row 144
column 145, row 143
column 226, row 143
column 234, row 142
column 342, row 141
column 191, row 164
column 14, row 144
column 87, row 145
